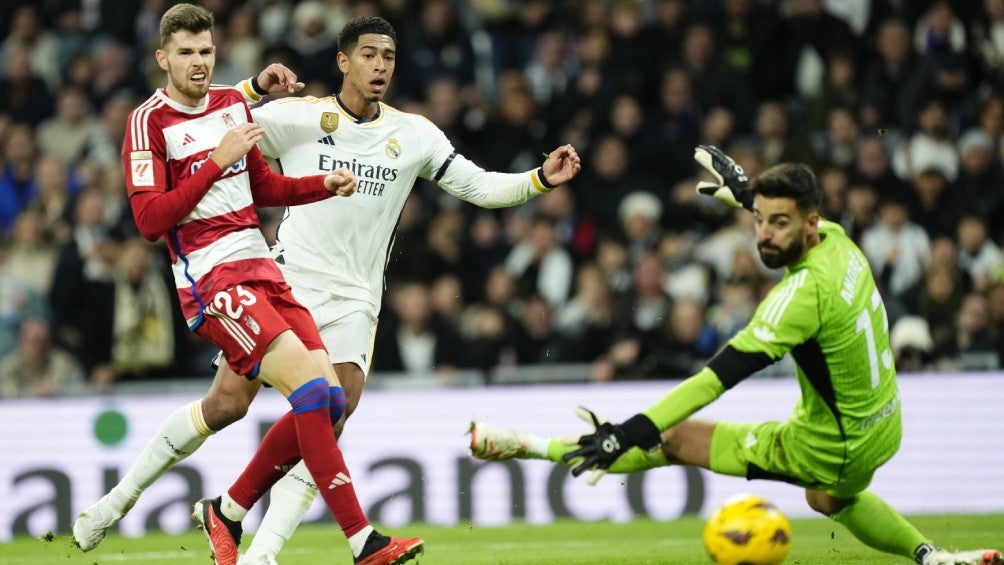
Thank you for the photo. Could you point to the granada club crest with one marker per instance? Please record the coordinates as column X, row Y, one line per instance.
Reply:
column 252, row 324
column 229, row 120
column 393, row 148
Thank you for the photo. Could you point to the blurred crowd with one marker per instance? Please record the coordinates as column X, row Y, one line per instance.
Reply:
column 898, row 105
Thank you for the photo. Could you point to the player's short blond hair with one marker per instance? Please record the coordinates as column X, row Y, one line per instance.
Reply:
column 184, row 17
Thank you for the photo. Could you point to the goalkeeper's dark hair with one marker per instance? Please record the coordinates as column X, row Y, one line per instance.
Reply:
column 349, row 36
column 790, row 180
column 184, row 17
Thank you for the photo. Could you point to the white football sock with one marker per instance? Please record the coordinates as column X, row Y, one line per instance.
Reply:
column 177, row 438
column 536, row 446
column 231, row 509
column 358, row 540
column 289, row 501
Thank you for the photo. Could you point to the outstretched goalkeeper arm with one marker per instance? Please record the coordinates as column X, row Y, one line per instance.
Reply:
column 599, row 450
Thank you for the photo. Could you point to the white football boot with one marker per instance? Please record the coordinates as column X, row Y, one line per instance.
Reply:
column 498, row 444
column 92, row 524
column 973, row 557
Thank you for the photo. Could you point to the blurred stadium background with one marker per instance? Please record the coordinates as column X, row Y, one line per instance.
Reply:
column 601, row 293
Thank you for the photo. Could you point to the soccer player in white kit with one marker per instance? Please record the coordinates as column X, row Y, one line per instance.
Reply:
column 334, row 256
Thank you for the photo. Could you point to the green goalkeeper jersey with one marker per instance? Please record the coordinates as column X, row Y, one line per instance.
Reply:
column 827, row 312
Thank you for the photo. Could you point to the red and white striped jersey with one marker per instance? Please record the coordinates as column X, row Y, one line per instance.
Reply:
column 211, row 227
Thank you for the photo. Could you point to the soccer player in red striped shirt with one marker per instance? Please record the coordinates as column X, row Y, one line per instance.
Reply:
column 194, row 176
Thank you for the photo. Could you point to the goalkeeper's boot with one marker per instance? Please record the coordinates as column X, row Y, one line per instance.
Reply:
column 93, row 524
column 224, row 534
column 259, row 559
column 497, row 444
column 973, row 557
column 383, row 550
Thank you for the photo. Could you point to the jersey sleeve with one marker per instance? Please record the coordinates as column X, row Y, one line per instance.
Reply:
column 156, row 206
column 787, row 317
column 278, row 119
column 460, row 177
column 273, row 189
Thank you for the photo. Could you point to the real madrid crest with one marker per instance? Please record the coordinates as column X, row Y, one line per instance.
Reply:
column 329, row 121
column 393, row 148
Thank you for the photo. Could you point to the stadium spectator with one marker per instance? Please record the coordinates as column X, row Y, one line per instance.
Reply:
column 144, row 324
column 73, row 129
column 975, row 347
column 839, row 90
column 540, row 265
column 912, row 345
column 18, row 302
column 938, row 303
column 860, row 212
column 413, row 338
column 37, row 368
column 31, row 253
column 978, row 171
column 640, row 216
column 715, row 83
column 899, row 252
column 17, row 180
column 776, row 140
column 82, row 291
column 28, row 33
column 888, row 83
column 978, row 255
column 586, row 320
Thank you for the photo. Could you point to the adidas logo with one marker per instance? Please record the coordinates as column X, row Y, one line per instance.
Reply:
column 327, row 140
column 339, row 480
column 188, row 139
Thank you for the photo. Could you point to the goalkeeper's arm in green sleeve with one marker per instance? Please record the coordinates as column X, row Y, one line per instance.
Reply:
column 725, row 370
column 686, row 398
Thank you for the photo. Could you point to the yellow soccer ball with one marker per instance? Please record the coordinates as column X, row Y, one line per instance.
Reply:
column 747, row 530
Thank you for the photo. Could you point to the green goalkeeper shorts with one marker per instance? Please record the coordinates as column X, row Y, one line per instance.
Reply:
column 771, row 451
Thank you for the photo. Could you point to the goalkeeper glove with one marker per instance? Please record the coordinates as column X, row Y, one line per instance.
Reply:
column 732, row 186
column 608, row 442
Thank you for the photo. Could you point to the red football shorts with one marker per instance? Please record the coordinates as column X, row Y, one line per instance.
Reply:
column 242, row 320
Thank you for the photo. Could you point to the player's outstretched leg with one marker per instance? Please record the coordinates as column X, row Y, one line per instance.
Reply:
column 931, row 555
column 177, row 438
column 489, row 443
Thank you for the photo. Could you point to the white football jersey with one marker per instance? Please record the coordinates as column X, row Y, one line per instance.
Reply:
column 341, row 245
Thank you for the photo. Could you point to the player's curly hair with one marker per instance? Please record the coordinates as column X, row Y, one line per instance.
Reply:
column 349, row 36
column 184, row 17
column 790, row 180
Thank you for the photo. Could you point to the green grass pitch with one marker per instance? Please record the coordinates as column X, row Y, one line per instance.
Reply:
column 580, row 543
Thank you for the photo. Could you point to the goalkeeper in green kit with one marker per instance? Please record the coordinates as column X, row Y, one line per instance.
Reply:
column 827, row 313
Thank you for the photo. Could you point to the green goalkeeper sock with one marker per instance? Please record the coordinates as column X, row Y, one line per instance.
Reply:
column 635, row 460
column 878, row 525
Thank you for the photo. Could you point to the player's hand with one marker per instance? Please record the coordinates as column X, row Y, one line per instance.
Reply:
column 562, row 165
column 236, row 143
column 340, row 182
column 278, row 79
column 597, row 451
column 732, row 186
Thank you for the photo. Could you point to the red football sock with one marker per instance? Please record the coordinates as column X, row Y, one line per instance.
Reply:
column 278, row 451
column 324, row 460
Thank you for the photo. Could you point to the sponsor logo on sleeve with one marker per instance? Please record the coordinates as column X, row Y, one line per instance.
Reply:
column 142, row 169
